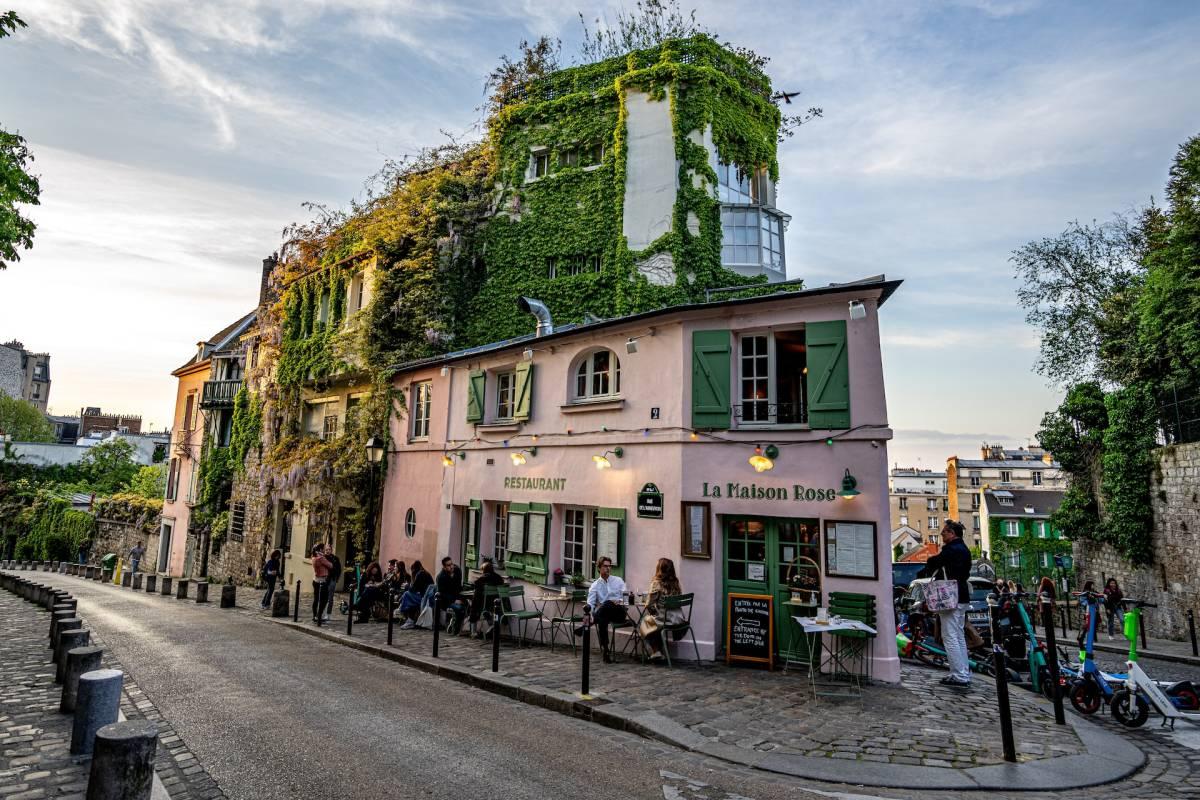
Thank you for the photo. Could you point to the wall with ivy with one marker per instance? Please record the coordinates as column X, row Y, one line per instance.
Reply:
column 1030, row 545
column 50, row 530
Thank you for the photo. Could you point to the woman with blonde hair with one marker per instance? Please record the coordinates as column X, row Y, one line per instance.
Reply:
column 664, row 584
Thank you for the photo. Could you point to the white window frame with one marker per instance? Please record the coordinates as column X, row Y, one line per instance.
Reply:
column 975, row 522
column 539, row 158
column 500, row 535
column 1014, row 559
column 506, row 394
column 573, row 516
column 1037, row 477
column 1006, row 476
column 771, row 378
column 976, row 478
column 932, row 523
column 904, row 504
column 410, row 524
column 931, row 505
column 1012, row 528
column 323, row 307
column 586, row 369
column 1042, row 529
column 422, row 396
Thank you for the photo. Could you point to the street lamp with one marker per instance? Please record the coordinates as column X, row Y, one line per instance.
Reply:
column 376, row 448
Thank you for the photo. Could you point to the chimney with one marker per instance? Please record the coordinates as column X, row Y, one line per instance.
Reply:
column 264, row 287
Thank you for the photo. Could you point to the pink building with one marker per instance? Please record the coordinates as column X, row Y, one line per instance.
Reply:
column 643, row 437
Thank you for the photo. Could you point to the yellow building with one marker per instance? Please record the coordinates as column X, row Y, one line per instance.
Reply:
column 996, row 468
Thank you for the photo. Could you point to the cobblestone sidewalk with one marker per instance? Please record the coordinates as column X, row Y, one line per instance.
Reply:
column 35, row 738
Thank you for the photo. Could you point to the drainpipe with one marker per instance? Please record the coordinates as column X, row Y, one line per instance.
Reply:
column 545, row 324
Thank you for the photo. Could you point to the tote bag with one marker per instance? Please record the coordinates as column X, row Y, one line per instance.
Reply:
column 941, row 595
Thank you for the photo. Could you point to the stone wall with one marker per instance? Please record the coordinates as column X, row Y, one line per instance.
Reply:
column 1172, row 580
column 242, row 558
column 117, row 536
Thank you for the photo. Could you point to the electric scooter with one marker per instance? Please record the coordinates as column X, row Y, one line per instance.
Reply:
column 917, row 638
column 1025, row 652
column 1092, row 688
column 1130, row 704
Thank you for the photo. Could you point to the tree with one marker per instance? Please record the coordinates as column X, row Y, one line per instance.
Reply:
column 23, row 422
column 17, row 186
column 149, row 482
column 109, row 466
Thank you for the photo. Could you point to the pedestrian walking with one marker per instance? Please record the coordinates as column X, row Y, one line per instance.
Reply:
column 955, row 560
column 270, row 574
column 135, row 556
column 335, row 575
column 1112, row 605
column 320, row 565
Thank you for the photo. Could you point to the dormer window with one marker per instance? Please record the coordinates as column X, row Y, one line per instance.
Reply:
column 598, row 375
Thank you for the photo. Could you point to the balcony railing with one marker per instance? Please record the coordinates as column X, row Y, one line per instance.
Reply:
column 219, row 394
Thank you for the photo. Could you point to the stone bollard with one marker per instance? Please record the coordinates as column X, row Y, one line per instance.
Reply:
column 228, row 596
column 55, row 616
column 280, row 602
column 137, row 582
column 79, row 661
column 151, row 583
column 123, row 761
column 96, row 705
column 181, row 589
column 38, row 595
column 201, row 592
column 68, row 641
column 126, row 579
column 62, row 567
column 166, row 586
column 106, row 576
column 64, row 625
column 55, row 597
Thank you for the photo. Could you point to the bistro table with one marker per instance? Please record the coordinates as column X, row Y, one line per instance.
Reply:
column 551, row 594
column 823, row 646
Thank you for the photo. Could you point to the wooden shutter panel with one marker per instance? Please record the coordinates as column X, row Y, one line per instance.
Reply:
column 617, row 514
column 710, row 379
column 523, row 391
column 828, row 375
column 475, row 388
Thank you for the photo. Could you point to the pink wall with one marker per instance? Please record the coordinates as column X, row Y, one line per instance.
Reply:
column 188, row 442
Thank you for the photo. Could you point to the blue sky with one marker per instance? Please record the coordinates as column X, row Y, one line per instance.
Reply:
column 176, row 139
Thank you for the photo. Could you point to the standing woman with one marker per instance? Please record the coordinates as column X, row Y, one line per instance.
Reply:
column 1112, row 604
column 270, row 575
column 321, row 566
column 664, row 584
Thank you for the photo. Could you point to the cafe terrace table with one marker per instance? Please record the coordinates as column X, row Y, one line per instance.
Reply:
column 825, row 646
column 541, row 601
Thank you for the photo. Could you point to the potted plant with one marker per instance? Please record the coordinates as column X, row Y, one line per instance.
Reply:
column 577, row 580
column 558, row 577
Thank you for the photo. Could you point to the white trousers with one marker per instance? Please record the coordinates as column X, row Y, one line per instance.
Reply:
column 955, row 641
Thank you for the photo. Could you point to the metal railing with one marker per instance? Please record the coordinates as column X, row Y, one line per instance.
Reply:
column 1179, row 419
column 219, row 394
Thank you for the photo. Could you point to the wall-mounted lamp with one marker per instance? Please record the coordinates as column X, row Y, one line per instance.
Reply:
column 376, row 449
column 448, row 458
column 764, row 458
column 631, row 346
column 849, row 484
column 528, row 354
column 445, row 371
column 602, row 461
column 693, row 436
column 518, row 458
column 857, row 310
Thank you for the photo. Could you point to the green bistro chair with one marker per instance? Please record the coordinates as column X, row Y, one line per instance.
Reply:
column 572, row 618
column 490, row 593
column 854, row 647
column 512, row 614
column 678, row 629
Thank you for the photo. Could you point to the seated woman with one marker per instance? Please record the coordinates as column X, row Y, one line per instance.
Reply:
column 397, row 576
column 414, row 597
column 489, row 577
column 370, row 591
column 664, row 584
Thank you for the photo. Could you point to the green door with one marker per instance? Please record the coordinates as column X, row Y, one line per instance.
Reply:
column 760, row 558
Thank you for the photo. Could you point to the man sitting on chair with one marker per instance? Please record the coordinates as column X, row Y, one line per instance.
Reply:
column 606, row 601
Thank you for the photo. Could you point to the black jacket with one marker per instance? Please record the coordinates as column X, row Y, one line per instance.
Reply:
column 449, row 586
column 955, row 559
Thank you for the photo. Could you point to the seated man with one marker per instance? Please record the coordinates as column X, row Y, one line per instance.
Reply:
column 489, row 577
column 606, row 600
column 449, row 586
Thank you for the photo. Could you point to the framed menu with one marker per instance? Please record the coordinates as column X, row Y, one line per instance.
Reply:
column 696, row 534
column 516, row 532
column 850, row 550
column 535, row 534
column 608, row 540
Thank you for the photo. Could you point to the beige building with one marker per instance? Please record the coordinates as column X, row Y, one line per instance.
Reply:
column 25, row 375
column 918, row 501
column 996, row 468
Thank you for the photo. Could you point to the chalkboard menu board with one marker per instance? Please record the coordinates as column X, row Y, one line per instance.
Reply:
column 750, row 629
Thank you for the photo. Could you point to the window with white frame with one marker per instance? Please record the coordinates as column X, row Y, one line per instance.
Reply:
column 1012, row 528
column 935, row 538
column 1041, row 529
column 422, row 394
column 1045, row 559
column 323, row 308
column 772, row 378
column 1014, row 559
column 931, row 505
column 932, row 524
column 500, row 535
column 903, row 519
column 598, row 375
column 576, row 536
column 410, row 524
column 976, row 478
column 975, row 521
column 595, row 153
column 315, row 413
column 539, row 163
column 945, row 504
column 752, row 237
column 1005, row 476
column 506, row 384
column 904, row 504
column 1037, row 477
column 356, row 293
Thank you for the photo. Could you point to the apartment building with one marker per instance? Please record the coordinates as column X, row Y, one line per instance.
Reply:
column 24, row 374
column 918, row 501
column 996, row 468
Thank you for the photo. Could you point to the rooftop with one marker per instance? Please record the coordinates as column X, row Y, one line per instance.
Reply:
column 1007, row 464
column 220, row 340
column 1026, row 503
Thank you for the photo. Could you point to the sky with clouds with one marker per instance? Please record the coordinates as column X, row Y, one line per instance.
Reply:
column 175, row 139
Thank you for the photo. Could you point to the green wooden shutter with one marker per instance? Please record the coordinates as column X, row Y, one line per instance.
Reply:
column 475, row 388
column 617, row 514
column 523, row 400
column 828, row 375
column 710, row 379
column 535, row 560
column 475, row 511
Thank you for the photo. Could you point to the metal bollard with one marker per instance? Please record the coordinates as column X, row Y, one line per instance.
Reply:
column 228, row 596
column 165, row 588
column 391, row 614
column 123, row 761
column 79, row 661
column 64, row 625
column 437, row 620
column 1006, row 732
column 1142, row 628
column 1192, row 630
column 151, row 583
column 319, row 599
column 67, row 642
column 201, row 591
column 1063, row 614
column 296, row 614
column 586, row 665
column 350, row 614
column 181, row 589
column 496, row 635
column 1052, row 659
column 96, row 705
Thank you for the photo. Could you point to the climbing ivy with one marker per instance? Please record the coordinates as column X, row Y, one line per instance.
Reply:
column 50, row 530
column 1127, row 465
column 246, row 426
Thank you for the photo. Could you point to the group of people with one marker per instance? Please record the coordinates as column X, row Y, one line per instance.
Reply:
column 466, row 611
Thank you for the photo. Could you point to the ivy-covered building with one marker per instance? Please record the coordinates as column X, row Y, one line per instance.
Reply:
column 1018, row 536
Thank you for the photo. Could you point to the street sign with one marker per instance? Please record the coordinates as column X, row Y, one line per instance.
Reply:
column 650, row 502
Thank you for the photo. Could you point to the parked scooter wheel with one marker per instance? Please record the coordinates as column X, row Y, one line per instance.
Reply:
column 929, row 659
column 1129, row 709
column 1085, row 697
column 1048, row 689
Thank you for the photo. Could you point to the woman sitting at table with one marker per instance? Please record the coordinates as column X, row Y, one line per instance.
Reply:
column 370, row 590
column 411, row 602
column 664, row 584
column 487, row 577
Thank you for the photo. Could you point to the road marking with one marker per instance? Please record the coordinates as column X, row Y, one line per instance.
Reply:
column 691, row 789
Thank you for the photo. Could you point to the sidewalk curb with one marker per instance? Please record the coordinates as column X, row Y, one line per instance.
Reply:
column 1109, row 757
column 1191, row 661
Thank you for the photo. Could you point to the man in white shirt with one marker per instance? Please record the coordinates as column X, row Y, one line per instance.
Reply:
column 606, row 598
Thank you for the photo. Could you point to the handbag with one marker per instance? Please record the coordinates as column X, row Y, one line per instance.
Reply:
column 941, row 595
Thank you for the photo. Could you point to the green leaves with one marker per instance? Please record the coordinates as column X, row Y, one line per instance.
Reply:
column 17, row 186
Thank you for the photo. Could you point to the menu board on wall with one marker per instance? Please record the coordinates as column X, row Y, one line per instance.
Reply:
column 850, row 550
column 516, row 533
column 535, row 534
column 608, row 539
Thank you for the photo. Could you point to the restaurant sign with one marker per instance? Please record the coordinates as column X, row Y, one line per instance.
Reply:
column 650, row 502
column 752, row 491
column 535, row 484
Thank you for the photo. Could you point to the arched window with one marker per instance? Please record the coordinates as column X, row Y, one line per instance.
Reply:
column 598, row 375
column 410, row 524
